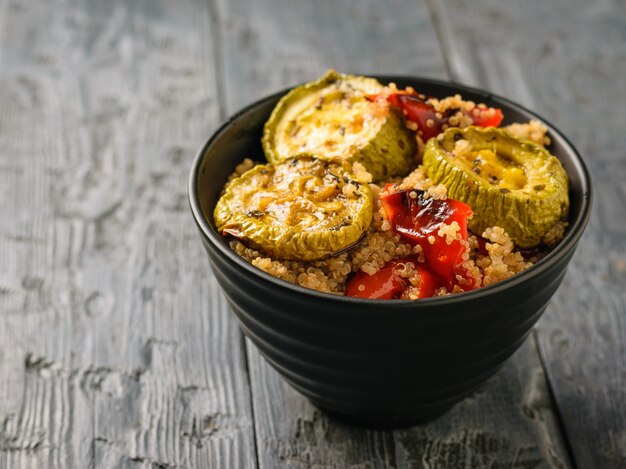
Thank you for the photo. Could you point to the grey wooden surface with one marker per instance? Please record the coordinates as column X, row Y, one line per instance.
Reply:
column 117, row 348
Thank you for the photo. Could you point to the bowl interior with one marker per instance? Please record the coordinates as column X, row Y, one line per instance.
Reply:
column 240, row 138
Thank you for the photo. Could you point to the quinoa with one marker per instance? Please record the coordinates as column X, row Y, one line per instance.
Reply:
column 381, row 245
column 555, row 234
column 450, row 103
column 450, row 232
column 438, row 192
column 462, row 148
column 534, row 131
column 360, row 173
column 502, row 261
column 459, row 108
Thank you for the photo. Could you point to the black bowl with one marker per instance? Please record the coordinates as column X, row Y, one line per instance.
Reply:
column 380, row 363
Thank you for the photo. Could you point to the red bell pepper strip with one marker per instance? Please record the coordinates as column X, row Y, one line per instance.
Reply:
column 469, row 282
column 487, row 117
column 416, row 109
column 385, row 285
column 482, row 246
column 428, row 282
column 417, row 219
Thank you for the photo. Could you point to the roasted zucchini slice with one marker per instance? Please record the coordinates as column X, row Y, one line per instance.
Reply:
column 303, row 208
column 508, row 181
column 332, row 119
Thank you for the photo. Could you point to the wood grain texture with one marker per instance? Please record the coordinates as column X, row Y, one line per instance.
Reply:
column 567, row 61
column 268, row 45
column 116, row 348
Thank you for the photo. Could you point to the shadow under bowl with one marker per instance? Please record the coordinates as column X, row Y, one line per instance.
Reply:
column 380, row 363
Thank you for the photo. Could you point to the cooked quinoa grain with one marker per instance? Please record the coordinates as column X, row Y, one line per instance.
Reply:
column 534, row 131
column 382, row 245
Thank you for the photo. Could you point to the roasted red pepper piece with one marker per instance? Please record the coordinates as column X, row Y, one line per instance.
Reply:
column 482, row 246
column 428, row 282
column 417, row 219
column 469, row 282
column 416, row 109
column 487, row 117
column 383, row 285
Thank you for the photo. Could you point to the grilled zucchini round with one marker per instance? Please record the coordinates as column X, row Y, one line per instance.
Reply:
column 332, row 118
column 508, row 181
column 302, row 208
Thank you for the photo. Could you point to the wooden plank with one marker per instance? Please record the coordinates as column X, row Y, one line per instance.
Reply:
column 116, row 349
column 566, row 60
column 269, row 45
column 272, row 44
column 510, row 422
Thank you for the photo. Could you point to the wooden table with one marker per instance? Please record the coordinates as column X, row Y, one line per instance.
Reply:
column 117, row 348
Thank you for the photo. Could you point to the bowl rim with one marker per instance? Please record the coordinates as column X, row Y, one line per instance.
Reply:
column 568, row 243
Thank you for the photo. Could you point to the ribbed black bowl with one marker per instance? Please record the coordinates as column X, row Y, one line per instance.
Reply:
column 380, row 363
